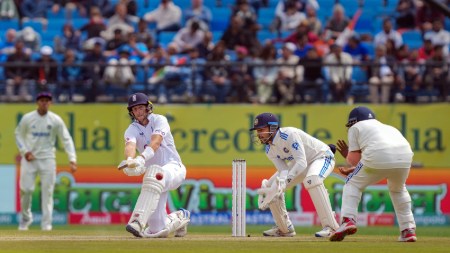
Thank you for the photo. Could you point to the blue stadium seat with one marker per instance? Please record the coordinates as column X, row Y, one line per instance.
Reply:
column 165, row 38
column 264, row 35
column 216, row 35
column 219, row 24
column 370, row 48
column 360, row 87
column 412, row 35
column 7, row 24
column 36, row 25
column 61, row 14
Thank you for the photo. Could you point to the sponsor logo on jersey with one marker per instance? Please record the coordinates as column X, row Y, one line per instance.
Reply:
column 295, row 145
column 286, row 150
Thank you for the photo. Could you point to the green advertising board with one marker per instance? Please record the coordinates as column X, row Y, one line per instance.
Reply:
column 214, row 135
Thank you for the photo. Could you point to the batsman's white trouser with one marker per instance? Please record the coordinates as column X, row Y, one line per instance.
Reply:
column 175, row 174
column 363, row 177
column 46, row 169
column 312, row 179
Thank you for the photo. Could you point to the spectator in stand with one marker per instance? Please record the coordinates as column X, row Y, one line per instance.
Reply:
column 189, row 37
column 290, row 19
column 403, row 53
column 198, row 12
column 410, row 77
column 302, row 45
column 426, row 51
column 206, row 46
column 236, row 35
column 71, row 82
column 312, row 76
column 315, row 25
column 17, row 77
column 155, row 82
column 246, row 13
column 439, row 36
column 120, row 20
column 426, row 15
column 288, row 75
column 70, row 39
column 436, row 73
column 167, row 17
column 388, row 33
column 8, row 10
column 119, row 74
column 174, row 79
column 405, row 17
column 301, row 5
column 30, row 38
column 7, row 46
column 45, row 74
column 195, row 75
column 35, row 10
column 218, row 84
column 113, row 44
column 138, row 50
column 265, row 75
column 92, row 74
column 356, row 49
column 241, row 75
column 302, row 29
column 337, row 22
column 339, row 76
column 96, row 24
column 143, row 33
column 381, row 76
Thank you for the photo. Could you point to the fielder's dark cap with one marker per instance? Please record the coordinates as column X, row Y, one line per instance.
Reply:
column 44, row 94
column 359, row 113
column 333, row 148
column 263, row 120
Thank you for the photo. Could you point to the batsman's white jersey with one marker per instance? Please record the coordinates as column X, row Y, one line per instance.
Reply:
column 382, row 146
column 37, row 134
column 293, row 151
column 141, row 135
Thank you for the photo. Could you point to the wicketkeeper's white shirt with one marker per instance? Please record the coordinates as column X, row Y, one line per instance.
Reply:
column 382, row 146
column 141, row 135
column 293, row 149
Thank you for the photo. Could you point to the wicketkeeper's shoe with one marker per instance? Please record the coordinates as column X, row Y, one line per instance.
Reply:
column 408, row 235
column 325, row 232
column 276, row 232
column 23, row 225
column 182, row 231
column 135, row 228
column 348, row 227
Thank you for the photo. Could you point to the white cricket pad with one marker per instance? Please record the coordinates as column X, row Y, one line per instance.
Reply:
column 320, row 198
column 147, row 202
column 280, row 214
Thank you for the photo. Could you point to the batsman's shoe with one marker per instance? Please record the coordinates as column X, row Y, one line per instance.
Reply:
column 23, row 225
column 275, row 232
column 326, row 232
column 161, row 234
column 348, row 227
column 134, row 228
column 182, row 230
column 408, row 235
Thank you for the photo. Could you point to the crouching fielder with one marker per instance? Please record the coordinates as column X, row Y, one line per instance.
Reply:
column 163, row 171
column 298, row 157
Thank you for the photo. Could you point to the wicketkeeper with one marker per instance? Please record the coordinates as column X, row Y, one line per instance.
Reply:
column 298, row 157
column 163, row 171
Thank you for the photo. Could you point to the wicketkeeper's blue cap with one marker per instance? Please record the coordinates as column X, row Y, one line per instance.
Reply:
column 263, row 120
column 359, row 113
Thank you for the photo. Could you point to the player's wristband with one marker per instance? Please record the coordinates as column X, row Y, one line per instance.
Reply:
column 148, row 153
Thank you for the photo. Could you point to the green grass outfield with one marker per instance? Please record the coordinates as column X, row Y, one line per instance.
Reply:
column 99, row 239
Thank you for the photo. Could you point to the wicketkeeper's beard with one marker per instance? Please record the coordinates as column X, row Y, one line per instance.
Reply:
column 264, row 141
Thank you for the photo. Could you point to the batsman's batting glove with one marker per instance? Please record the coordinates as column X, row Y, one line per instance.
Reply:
column 139, row 161
column 132, row 172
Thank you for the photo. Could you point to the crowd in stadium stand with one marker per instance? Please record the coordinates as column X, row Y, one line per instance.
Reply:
column 225, row 51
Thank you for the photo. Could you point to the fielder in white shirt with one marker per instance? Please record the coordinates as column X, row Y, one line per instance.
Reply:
column 163, row 171
column 36, row 137
column 378, row 152
column 298, row 157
